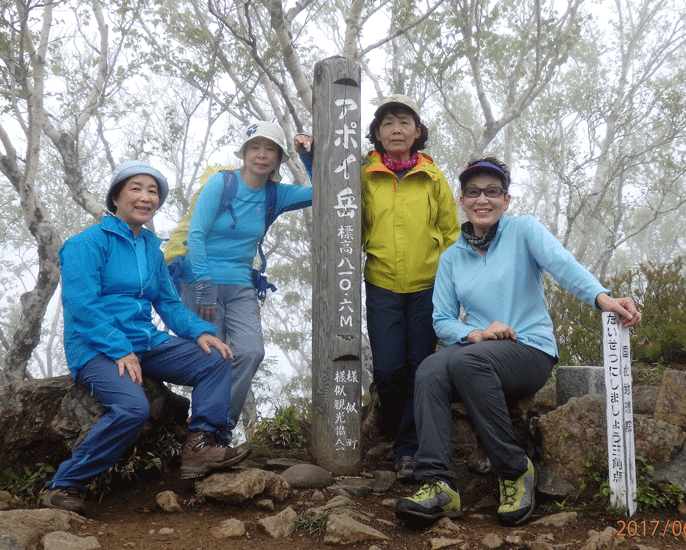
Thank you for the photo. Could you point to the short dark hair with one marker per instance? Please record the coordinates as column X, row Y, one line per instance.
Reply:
column 397, row 110
column 480, row 166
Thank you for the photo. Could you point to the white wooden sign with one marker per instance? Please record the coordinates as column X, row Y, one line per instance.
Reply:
column 621, row 456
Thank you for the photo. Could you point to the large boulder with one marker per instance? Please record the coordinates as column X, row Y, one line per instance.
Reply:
column 43, row 420
column 568, row 433
column 671, row 405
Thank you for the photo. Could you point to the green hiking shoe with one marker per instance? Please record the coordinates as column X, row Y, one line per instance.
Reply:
column 517, row 498
column 434, row 499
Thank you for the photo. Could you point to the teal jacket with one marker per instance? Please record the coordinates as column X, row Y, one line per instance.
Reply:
column 110, row 283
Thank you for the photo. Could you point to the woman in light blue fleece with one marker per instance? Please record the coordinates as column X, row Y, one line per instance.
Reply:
column 222, row 244
column 502, row 347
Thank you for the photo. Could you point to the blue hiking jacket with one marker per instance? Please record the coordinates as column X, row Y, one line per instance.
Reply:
column 108, row 292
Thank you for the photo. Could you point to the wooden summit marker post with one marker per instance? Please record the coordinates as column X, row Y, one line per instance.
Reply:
column 621, row 456
column 336, row 290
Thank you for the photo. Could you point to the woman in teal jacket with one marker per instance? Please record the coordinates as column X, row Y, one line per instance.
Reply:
column 113, row 274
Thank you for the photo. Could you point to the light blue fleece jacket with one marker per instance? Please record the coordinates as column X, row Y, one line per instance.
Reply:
column 507, row 284
column 225, row 255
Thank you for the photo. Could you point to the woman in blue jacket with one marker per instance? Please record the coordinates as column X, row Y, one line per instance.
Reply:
column 113, row 274
column 503, row 347
column 222, row 244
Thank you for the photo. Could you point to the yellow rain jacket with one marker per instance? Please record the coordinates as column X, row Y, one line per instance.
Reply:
column 407, row 224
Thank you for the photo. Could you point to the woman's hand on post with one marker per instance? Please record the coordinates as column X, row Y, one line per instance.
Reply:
column 495, row 331
column 303, row 143
column 130, row 364
column 207, row 341
column 624, row 306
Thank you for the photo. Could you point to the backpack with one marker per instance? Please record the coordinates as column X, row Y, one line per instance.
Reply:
column 177, row 248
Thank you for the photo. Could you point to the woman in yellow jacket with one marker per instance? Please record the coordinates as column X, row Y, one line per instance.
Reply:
column 410, row 217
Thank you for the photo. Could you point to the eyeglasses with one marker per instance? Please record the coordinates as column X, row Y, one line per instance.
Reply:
column 492, row 192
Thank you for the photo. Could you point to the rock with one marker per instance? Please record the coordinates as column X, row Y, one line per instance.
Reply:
column 358, row 486
column 24, row 529
column 281, row 463
column 492, row 541
column 318, row 496
column 45, row 419
column 385, row 475
column 281, row 525
column 553, row 484
column 545, row 399
column 557, row 520
column 575, row 381
column 445, row 527
column 166, row 531
column 307, row 476
column 5, row 499
column 671, row 405
column 229, row 528
column 344, row 530
column 681, row 508
column 435, row 543
column 644, row 399
column 168, row 501
column 336, row 502
column 238, row 488
column 265, row 504
column 389, row 502
column 568, row 433
column 673, row 471
column 607, row 540
column 59, row 540
column 540, row 545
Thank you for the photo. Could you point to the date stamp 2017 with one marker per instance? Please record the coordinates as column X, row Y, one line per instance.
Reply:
column 652, row 528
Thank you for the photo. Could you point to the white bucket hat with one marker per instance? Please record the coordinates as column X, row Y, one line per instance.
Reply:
column 270, row 131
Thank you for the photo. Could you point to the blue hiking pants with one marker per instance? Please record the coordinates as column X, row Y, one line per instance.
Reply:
column 177, row 360
column 481, row 376
column 401, row 336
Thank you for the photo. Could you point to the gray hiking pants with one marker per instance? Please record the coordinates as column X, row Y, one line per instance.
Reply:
column 238, row 324
column 481, row 376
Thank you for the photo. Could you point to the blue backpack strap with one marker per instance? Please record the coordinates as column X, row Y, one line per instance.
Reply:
column 228, row 194
column 270, row 204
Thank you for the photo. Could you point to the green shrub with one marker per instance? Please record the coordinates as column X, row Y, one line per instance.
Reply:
column 283, row 430
column 658, row 341
column 26, row 484
column 648, row 496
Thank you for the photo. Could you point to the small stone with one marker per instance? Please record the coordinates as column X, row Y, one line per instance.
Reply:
column 389, row 502
column 492, row 541
column 166, row 531
column 168, row 501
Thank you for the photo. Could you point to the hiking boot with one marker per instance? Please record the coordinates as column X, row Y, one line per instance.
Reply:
column 203, row 453
column 517, row 498
column 405, row 468
column 65, row 498
column 434, row 499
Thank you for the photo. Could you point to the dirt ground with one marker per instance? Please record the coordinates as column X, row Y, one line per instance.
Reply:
column 131, row 519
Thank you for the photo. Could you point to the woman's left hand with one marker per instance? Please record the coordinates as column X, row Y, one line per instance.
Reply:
column 303, row 143
column 207, row 341
column 624, row 306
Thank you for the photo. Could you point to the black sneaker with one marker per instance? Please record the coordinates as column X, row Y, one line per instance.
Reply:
column 65, row 498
